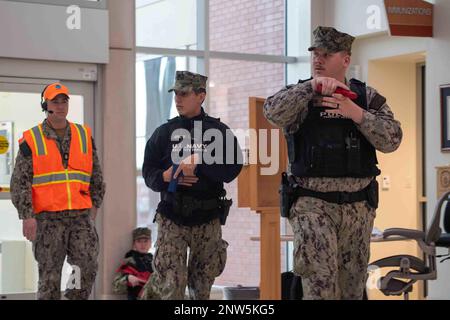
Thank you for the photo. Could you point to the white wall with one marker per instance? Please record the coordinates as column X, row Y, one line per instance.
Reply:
column 384, row 46
column 351, row 16
column 346, row 15
column 20, row 68
column 39, row 31
column 438, row 73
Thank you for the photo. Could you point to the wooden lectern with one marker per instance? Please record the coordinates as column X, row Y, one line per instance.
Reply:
column 260, row 193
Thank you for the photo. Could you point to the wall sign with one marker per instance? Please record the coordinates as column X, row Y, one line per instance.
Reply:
column 412, row 18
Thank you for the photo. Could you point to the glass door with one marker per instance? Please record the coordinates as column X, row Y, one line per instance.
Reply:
column 20, row 110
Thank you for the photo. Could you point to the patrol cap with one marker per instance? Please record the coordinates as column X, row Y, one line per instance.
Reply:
column 186, row 81
column 53, row 90
column 331, row 40
column 140, row 233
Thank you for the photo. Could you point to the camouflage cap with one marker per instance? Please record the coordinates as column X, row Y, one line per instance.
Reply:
column 187, row 81
column 139, row 233
column 331, row 40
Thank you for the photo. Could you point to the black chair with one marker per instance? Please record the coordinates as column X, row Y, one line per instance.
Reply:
column 444, row 239
column 412, row 269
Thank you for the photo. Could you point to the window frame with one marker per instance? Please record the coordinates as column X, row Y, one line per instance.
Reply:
column 100, row 4
column 293, row 64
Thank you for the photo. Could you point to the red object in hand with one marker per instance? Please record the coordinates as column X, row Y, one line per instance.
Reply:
column 346, row 93
column 126, row 269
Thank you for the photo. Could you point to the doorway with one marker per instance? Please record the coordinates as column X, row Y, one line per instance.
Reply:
column 400, row 79
column 20, row 110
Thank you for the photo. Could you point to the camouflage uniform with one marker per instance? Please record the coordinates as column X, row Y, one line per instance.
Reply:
column 207, row 258
column 331, row 241
column 198, row 233
column 68, row 233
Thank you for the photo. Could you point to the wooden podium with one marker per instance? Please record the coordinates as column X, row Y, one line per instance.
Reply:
column 260, row 193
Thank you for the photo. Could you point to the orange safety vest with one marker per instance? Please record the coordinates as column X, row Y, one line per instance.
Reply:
column 54, row 187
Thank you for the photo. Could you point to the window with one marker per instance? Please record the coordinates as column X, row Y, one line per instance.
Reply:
column 167, row 24
column 16, row 256
column 241, row 46
column 154, row 106
column 247, row 26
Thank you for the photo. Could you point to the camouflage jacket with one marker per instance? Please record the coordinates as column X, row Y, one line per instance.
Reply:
column 288, row 109
column 22, row 178
column 135, row 263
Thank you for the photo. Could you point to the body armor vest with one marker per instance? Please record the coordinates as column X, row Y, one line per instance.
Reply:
column 327, row 146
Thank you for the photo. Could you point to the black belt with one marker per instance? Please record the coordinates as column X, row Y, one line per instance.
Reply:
column 336, row 196
column 191, row 202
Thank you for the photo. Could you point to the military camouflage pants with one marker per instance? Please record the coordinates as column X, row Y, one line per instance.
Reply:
column 331, row 247
column 74, row 237
column 173, row 269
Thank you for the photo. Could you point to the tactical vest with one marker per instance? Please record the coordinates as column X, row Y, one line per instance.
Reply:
column 54, row 187
column 189, row 207
column 332, row 147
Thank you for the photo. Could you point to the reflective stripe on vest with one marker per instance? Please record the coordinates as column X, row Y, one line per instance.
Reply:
column 41, row 147
column 38, row 139
column 61, row 177
column 82, row 135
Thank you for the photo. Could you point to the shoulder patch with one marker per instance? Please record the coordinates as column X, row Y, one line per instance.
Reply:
column 25, row 149
column 377, row 102
column 360, row 88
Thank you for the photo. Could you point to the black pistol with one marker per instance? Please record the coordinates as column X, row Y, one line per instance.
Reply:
column 287, row 195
